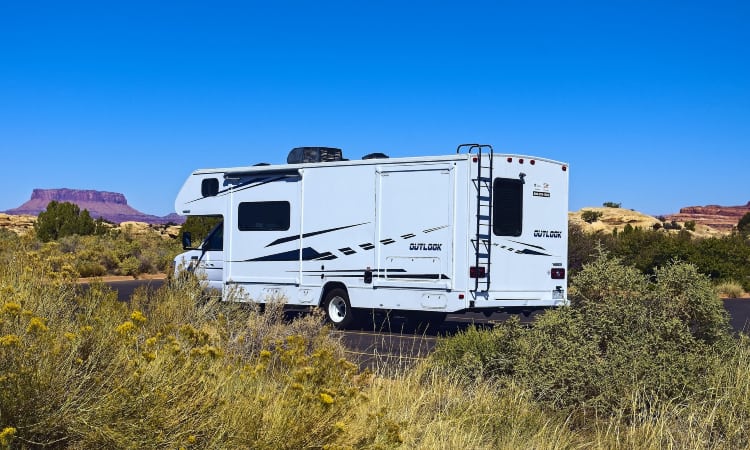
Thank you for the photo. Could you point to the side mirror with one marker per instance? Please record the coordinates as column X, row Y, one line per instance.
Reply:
column 187, row 241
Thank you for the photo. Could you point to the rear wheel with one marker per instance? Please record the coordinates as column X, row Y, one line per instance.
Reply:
column 337, row 308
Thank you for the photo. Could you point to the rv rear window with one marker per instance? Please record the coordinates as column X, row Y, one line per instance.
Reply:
column 507, row 207
column 263, row 216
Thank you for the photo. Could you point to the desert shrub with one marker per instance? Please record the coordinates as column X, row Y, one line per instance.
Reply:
column 730, row 289
column 624, row 334
column 743, row 225
column 591, row 216
column 611, row 205
column 690, row 225
column 481, row 354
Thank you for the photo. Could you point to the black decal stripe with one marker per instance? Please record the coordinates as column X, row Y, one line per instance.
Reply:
column 408, row 236
column 419, row 276
column 387, row 241
column 367, row 246
column 430, row 230
column 528, row 245
column 306, row 254
column 312, row 233
column 326, row 256
column 526, row 251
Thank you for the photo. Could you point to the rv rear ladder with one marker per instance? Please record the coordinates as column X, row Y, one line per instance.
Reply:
column 482, row 241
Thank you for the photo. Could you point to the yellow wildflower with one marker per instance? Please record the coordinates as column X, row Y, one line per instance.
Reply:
column 12, row 308
column 6, row 436
column 137, row 316
column 326, row 398
column 10, row 340
column 125, row 328
column 37, row 325
column 191, row 439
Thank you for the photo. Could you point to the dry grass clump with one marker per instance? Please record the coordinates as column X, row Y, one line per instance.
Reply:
column 730, row 289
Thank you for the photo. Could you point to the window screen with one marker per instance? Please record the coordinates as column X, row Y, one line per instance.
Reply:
column 507, row 207
column 263, row 216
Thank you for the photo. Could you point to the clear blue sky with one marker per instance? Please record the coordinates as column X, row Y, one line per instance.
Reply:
column 648, row 101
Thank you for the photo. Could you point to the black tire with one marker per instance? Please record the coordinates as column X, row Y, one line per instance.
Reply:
column 338, row 310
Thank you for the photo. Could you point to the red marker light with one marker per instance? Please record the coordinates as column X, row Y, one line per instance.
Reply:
column 520, row 161
column 477, row 272
column 565, row 168
column 510, row 159
column 532, row 162
column 474, row 159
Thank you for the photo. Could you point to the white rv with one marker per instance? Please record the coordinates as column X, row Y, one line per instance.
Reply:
column 470, row 231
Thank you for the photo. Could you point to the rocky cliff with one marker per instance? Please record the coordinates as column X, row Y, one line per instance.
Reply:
column 111, row 206
column 715, row 216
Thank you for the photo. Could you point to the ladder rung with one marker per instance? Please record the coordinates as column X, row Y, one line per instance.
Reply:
column 483, row 217
column 483, row 236
column 483, row 179
column 485, row 198
column 483, row 255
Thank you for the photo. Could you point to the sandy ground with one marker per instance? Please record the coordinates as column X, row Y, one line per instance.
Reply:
column 111, row 278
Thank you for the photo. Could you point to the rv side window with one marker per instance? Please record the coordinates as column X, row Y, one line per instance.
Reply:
column 507, row 207
column 209, row 187
column 263, row 216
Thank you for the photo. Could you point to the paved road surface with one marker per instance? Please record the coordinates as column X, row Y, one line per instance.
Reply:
column 390, row 348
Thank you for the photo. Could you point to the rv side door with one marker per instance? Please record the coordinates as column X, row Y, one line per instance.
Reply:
column 415, row 225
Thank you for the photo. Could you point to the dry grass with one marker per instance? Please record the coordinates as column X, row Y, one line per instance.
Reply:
column 174, row 369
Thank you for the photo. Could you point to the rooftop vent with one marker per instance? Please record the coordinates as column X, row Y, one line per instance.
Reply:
column 300, row 155
column 377, row 155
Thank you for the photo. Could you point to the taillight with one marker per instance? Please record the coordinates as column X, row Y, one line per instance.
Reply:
column 558, row 274
column 476, row 272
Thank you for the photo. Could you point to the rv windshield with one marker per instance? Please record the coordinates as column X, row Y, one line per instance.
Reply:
column 215, row 239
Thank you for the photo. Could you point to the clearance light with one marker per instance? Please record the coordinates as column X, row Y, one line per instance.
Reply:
column 565, row 168
column 558, row 274
column 476, row 272
column 460, row 296
column 520, row 161
column 510, row 159
column 532, row 162
column 475, row 159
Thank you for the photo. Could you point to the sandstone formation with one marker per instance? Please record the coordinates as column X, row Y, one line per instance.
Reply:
column 618, row 218
column 714, row 216
column 111, row 206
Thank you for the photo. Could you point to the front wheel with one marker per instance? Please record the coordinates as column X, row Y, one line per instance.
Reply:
column 337, row 308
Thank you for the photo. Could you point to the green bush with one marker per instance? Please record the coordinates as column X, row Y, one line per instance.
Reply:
column 612, row 205
column 591, row 216
column 63, row 219
column 624, row 334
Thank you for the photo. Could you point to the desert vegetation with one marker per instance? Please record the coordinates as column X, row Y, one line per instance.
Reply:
column 641, row 359
column 724, row 259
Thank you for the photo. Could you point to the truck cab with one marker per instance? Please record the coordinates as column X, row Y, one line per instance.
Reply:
column 206, row 260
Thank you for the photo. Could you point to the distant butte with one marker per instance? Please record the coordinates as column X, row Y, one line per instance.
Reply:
column 111, row 206
column 714, row 216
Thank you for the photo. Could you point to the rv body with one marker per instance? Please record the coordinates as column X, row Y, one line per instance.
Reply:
column 470, row 231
